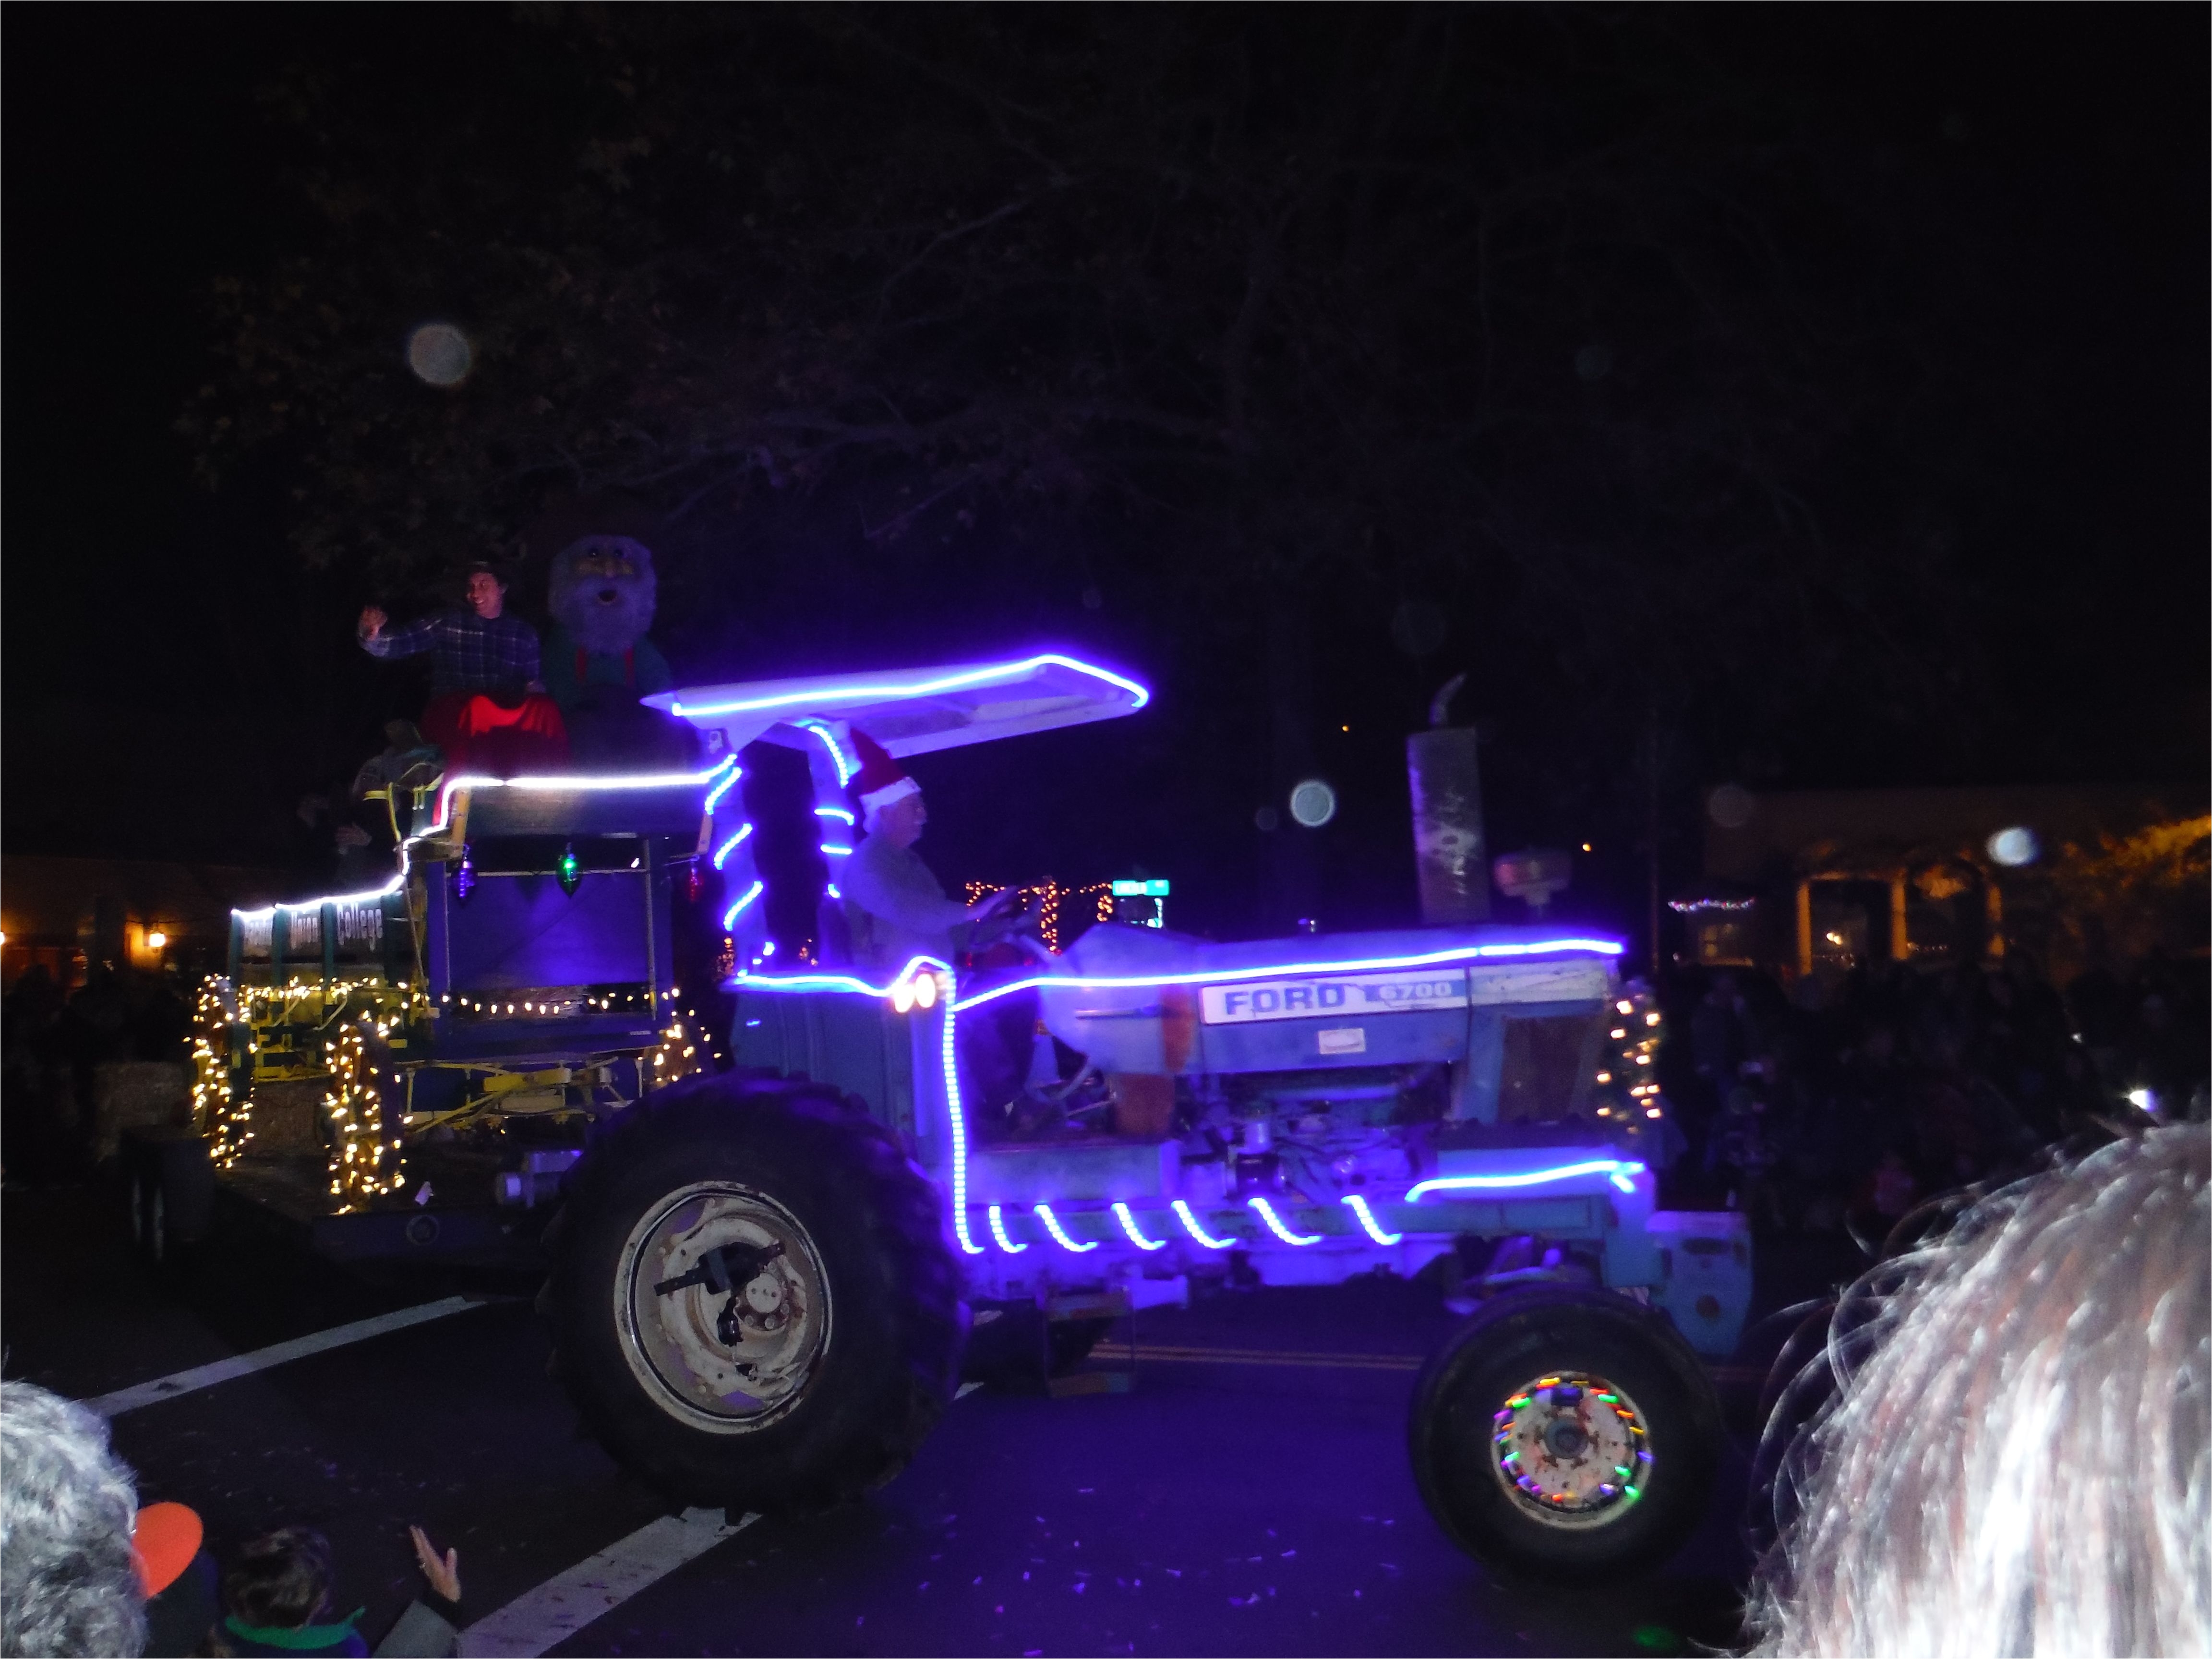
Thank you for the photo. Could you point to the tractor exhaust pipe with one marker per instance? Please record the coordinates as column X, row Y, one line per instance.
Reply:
column 1450, row 855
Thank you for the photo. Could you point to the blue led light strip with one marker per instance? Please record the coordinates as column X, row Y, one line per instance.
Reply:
column 835, row 852
column 820, row 729
column 361, row 897
column 1367, row 1221
column 996, row 672
column 1190, row 1225
column 1599, row 947
column 731, row 845
column 998, row 1232
column 1615, row 1169
column 1275, row 1225
column 730, row 916
column 967, row 1245
column 833, row 812
column 798, row 983
column 430, row 832
column 1619, row 1172
column 714, row 795
column 1129, row 1226
column 720, row 777
column 1044, row 1214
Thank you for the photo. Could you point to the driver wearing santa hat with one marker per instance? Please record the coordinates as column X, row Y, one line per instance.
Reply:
column 895, row 907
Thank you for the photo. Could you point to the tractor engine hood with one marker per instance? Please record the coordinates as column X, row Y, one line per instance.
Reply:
column 1144, row 999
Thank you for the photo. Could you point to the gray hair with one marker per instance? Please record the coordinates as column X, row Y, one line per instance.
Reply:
column 2022, row 1464
column 67, row 1508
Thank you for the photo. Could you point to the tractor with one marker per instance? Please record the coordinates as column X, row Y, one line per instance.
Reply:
column 762, row 1267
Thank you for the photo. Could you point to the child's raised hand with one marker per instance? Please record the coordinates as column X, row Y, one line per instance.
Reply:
column 443, row 1571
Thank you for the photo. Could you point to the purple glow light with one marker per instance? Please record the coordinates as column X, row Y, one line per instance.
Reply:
column 986, row 675
column 1190, row 1225
column 389, row 888
column 1044, row 1214
column 847, row 982
column 430, row 831
column 1275, row 1225
column 835, row 852
column 959, row 1141
column 833, row 812
column 820, row 728
column 1617, row 1171
column 730, row 916
column 714, row 795
column 998, row 1232
column 731, row 845
column 1602, row 947
column 1129, row 1226
column 1368, row 1221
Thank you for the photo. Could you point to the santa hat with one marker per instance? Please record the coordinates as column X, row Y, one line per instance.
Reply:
column 881, row 780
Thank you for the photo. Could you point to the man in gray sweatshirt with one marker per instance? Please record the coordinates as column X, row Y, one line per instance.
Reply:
column 895, row 906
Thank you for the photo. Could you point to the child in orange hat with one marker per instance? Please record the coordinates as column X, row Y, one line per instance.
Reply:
column 177, row 1576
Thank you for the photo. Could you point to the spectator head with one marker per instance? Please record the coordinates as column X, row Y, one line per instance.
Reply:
column 281, row 1579
column 67, row 1583
column 485, row 593
column 2022, row 1464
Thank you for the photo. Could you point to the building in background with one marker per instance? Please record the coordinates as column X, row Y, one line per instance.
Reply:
column 68, row 913
column 1811, row 882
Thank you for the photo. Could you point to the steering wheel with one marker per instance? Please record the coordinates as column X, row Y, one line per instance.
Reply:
column 1030, row 946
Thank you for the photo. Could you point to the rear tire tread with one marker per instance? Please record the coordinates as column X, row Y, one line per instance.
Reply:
column 911, row 1256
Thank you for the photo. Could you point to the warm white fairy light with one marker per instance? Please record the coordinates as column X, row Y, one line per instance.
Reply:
column 359, row 1160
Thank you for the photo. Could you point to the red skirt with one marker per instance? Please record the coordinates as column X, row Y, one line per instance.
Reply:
column 480, row 736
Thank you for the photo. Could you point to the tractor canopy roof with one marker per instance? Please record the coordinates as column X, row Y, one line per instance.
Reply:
column 913, row 711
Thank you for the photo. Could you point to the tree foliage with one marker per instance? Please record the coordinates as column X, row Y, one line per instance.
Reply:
column 1626, row 360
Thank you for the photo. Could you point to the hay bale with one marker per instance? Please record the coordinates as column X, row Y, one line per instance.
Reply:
column 284, row 1119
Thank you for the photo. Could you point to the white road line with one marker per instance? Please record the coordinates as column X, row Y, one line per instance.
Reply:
column 245, row 1365
column 564, row 1604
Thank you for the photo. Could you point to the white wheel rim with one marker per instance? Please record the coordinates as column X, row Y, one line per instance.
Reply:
column 671, row 1341
column 1570, row 1449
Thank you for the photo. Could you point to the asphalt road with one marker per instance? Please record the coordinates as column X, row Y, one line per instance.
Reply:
column 1249, row 1494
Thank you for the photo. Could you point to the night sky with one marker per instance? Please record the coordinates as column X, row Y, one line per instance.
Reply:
column 175, row 676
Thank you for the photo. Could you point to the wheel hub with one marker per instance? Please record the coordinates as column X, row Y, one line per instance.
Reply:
column 723, row 1304
column 1571, row 1450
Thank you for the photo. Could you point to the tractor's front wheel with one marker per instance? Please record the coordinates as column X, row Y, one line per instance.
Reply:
column 753, row 1299
column 1562, row 1433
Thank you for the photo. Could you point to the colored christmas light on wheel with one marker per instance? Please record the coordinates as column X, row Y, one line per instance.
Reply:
column 1571, row 1449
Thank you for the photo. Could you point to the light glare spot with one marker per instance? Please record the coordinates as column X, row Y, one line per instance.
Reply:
column 2015, row 847
column 440, row 354
column 1313, row 803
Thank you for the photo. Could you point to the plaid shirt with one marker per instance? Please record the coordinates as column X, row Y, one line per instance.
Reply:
column 467, row 653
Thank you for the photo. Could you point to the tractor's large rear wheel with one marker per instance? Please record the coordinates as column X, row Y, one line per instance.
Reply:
column 753, row 1298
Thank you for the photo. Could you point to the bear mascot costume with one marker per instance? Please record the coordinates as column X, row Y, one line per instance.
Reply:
column 599, row 661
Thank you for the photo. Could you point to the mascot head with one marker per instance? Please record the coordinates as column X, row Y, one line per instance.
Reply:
column 601, row 590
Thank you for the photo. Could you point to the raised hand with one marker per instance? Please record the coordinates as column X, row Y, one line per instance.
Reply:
column 443, row 1571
